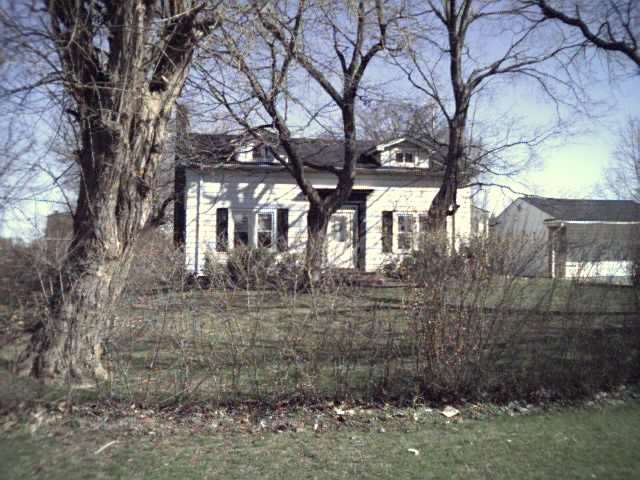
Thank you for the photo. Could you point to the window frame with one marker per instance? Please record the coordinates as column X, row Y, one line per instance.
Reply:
column 401, row 156
column 274, row 228
column 234, row 213
column 411, row 233
column 254, row 229
column 341, row 234
column 262, row 154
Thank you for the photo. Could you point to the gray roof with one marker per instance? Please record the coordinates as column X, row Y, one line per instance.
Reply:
column 201, row 150
column 212, row 149
column 587, row 210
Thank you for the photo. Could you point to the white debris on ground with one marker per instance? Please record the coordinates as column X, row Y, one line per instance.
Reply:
column 450, row 411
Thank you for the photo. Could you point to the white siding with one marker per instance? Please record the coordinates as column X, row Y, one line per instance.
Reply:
column 388, row 157
column 522, row 226
column 268, row 189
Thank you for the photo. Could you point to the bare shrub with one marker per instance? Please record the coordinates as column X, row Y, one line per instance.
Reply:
column 463, row 328
column 254, row 268
column 28, row 274
column 453, row 316
column 157, row 265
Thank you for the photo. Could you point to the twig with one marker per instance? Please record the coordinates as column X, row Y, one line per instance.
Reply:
column 105, row 446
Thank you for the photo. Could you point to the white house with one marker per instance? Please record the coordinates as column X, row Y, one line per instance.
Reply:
column 568, row 238
column 230, row 191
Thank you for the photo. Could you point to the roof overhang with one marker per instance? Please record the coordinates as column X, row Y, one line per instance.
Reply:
column 552, row 222
column 383, row 146
column 275, row 168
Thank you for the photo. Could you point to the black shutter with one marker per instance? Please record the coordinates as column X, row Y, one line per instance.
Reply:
column 179, row 209
column 283, row 229
column 387, row 232
column 222, row 229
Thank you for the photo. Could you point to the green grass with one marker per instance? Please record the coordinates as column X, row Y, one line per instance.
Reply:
column 581, row 443
column 351, row 343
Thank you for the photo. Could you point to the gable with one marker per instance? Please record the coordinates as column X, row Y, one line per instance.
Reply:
column 521, row 217
column 403, row 153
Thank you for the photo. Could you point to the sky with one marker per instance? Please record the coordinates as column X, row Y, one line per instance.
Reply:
column 575, row 165
column 571, row 165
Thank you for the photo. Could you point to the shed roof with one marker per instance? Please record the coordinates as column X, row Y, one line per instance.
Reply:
column 587, row 210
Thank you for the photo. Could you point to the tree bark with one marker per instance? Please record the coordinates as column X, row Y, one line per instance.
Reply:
column 123, row 96
column 444, row 203
column 318, row 217
column 114, row 206
column 456, row 18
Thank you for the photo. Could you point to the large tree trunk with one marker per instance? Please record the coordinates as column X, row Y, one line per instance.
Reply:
column 445, row 203
column 123, row 90
column 317, row 222
column 114, row 205
column 118, row 165
column 68, row 343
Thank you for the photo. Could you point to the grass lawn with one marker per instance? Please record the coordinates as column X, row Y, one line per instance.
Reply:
column 595, row 442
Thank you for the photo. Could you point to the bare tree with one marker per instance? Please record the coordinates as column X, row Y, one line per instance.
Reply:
column 13, row 174
column 623, row 177
column 390, row 118
column 610, row 25
column 329, row 44
column 451, row 64
column 118, row 67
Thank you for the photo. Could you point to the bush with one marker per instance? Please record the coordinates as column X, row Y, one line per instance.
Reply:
column 450, row 327
column 251, row 268
column 435, row 259
column 157, row 265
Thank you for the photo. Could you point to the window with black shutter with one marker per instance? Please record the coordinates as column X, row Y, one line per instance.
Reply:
column 265, row 229
column 406, row 227
column 387, row 232
column 240, row 228
column 222, row 229
column 283, row 229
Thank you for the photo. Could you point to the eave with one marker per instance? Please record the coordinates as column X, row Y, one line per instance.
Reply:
column 267, row 168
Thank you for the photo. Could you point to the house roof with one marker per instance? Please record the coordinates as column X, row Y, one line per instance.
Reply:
column 203, row 150
column 587, row 210
column 215, row 149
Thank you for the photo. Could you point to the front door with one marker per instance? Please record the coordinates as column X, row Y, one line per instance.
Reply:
column 341, row 239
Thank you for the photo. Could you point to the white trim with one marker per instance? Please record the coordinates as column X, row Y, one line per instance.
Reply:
column 274, row 226
column 412, row 233
column 196, row 262
column 391, row 143
column 252, row 224
column 553, row 221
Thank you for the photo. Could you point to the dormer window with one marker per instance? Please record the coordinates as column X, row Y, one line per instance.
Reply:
column 405, row 158
column 262, row 154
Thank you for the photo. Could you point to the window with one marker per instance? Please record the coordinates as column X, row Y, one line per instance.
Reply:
column 387, row 232
column 339, row 228
column 262, row 154
column 241, row 229
column 405, row 158
column 405, row 231
column 222, row 229
column 282, row 227
column 265, row 227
